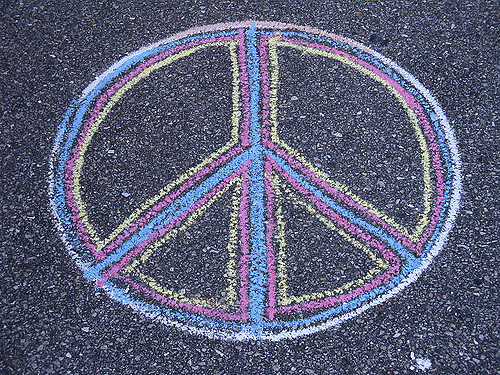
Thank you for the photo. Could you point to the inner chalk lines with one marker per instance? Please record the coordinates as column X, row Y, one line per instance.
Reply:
column 259, row 172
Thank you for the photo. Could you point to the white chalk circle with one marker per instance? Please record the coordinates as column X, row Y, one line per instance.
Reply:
column 263, row 171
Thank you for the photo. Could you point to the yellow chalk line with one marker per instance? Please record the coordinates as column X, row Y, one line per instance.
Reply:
column 232, row 245
column 282, row 295
column 182, row 178
column 231, row 272
column 427, row 193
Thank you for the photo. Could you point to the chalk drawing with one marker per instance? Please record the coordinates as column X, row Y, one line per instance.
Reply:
column 259, row 172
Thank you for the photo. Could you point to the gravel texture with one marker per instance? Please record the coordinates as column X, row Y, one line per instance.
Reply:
column 55, row 322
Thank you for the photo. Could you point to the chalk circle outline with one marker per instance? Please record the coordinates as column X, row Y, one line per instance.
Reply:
column 253, row 31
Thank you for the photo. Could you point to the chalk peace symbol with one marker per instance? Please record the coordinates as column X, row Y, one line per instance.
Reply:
column 264, row 172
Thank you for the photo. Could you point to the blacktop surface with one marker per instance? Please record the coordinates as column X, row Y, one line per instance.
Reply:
column 55, row 321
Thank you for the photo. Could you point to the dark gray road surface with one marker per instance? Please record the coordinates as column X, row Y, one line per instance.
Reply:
column 55, row 322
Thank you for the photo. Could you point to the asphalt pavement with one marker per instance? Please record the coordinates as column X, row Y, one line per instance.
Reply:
column 234, row 188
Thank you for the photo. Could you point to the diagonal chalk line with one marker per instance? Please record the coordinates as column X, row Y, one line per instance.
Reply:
column 174, row 210
column 302, row 180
